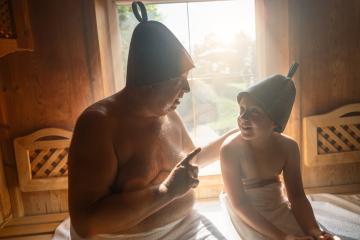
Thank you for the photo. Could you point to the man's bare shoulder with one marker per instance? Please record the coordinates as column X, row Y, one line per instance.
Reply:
column 94, row 127
column 99, row 114
column 93, row 118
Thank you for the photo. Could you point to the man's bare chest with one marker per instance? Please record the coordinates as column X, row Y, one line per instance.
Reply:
column 154, row 154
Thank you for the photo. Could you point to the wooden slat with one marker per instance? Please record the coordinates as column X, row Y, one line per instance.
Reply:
column 351, row 139
column 28, row 229
column 321, row 150
column 338, row 140
column 60, row 165
column 38, row 158
column 327, row 144
column 7, row 46
column 354, row 129
column 48, row 144
column 32, row 237
column 38, row 219
column 47, row 164
column 348, row 188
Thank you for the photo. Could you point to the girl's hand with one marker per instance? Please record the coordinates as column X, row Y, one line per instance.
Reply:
column 322, row 235
column 326, row 236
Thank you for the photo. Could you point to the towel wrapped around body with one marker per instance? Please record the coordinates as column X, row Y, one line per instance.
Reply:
column 270, row 202
column 192, row 227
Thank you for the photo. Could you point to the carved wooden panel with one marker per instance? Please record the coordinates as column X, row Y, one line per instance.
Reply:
column 46, row 163
column 41, row 160
column 338, row 138
column 332, row 138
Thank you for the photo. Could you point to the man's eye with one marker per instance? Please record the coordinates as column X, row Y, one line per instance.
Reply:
column 242, row 111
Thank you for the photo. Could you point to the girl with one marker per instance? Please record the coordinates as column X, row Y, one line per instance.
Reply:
column 252, row 161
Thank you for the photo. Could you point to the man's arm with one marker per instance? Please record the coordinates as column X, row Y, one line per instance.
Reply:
column 211, row 152
column 93, row 166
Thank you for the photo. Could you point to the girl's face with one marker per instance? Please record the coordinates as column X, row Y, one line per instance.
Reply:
column 252, row 120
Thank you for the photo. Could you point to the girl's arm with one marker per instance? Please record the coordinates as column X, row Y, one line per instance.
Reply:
column 295, row 191
column 230, row 168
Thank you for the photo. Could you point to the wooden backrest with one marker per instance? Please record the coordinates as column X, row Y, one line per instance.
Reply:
column 332, row 138
column 41, row 159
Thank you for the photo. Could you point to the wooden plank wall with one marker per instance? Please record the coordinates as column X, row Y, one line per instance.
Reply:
column 325, row 38
column 50, row 86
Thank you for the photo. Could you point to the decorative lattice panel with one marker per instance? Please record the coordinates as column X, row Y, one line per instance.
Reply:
column 337, row 139
column 7, row 25
column 41, row 159
column 332, row 138
column 47, row 163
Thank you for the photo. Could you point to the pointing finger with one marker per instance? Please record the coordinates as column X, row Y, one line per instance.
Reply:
column 195, row 182
column 189, row 157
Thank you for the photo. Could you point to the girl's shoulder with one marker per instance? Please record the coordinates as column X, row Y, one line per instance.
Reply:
column 285, row 139
column 233, row 145
column 287, row 143
column 233, row 141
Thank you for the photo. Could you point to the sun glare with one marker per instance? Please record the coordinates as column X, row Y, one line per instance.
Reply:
column 221, row 19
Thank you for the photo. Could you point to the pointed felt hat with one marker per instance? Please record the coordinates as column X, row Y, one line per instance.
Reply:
column 276, row 96
column 155, row 54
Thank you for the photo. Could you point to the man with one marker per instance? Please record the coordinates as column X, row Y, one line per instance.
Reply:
column 129, row 172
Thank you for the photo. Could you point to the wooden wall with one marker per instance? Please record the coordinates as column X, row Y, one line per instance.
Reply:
column 49, row 86
column 326, row 42
column 324, row 37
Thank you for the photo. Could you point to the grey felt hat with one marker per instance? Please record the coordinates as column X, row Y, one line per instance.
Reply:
column 276, row 96
column 155, row 54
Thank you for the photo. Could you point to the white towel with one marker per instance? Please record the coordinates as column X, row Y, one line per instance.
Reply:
column 193, row 227
column 270, row 202
column 338, row 214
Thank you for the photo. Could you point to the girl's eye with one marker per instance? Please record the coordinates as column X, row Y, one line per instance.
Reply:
column 255, row 111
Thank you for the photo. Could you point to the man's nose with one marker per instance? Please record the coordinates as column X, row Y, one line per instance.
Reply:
column 186, row 86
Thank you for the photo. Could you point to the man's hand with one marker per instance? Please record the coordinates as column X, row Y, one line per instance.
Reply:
column 183, row 177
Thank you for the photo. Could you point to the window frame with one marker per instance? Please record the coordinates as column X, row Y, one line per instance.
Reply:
column 210, row 185
column 267, row 43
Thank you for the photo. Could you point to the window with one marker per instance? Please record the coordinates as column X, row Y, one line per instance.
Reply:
column 220, row 37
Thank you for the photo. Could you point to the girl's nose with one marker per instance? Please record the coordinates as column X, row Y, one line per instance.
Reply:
column 244, row 115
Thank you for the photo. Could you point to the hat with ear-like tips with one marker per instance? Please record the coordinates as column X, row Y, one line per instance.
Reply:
column 155, row 54
column 276, row 96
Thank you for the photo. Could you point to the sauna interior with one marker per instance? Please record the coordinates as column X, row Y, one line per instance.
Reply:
column 59, row 57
